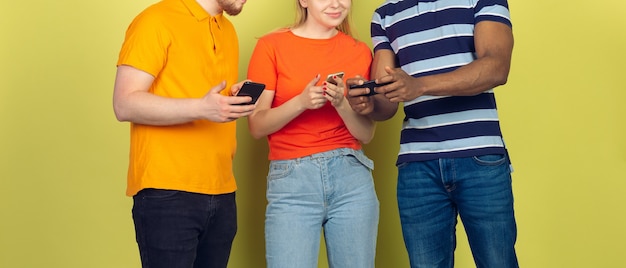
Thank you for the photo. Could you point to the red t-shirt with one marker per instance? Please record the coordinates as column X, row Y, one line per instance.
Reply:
column 286, row 63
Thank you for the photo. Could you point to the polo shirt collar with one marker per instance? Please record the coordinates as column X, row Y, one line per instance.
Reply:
column 198, row 12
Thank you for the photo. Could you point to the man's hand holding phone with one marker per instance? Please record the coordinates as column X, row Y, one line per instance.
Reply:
column 367, row 88
column 216, row 107
column 252, row 90
column 363, row 100
column 358, row 96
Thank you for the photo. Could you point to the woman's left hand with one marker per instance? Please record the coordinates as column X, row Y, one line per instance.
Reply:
column 335, row 93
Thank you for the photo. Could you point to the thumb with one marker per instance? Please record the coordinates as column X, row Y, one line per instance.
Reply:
column 314, row 81
column 389, row 70
column 218, row 88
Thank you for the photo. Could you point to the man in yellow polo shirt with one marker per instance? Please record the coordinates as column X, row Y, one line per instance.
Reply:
column 176, row 80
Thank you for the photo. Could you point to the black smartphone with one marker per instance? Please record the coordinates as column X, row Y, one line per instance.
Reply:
column 251, row 89
column 371, row 85
column 330, row 79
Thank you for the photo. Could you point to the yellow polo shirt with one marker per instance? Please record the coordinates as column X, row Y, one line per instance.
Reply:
column 188, row 52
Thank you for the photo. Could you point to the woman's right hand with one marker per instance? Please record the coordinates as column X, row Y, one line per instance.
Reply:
column 312, row 97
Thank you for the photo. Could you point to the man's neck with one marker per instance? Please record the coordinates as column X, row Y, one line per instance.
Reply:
column 211, row 6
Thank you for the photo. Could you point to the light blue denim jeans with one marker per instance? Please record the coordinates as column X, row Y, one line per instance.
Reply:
column 431, row 194
column 331, row 191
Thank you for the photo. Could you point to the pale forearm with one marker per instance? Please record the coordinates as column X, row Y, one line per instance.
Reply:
column 149, row 109
column 264, row 122
column 361, row 127
column 132, row 101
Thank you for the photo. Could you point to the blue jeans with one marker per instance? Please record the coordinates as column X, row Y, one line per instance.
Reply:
column 432, row 193
column 333, row 191
column 176, row 229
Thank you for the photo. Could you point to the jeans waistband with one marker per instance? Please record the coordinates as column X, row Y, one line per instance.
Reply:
column 358, row 154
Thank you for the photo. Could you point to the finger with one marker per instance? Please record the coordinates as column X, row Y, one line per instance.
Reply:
column 326, row 92
column 236, row 87
column 332, row 96
column 359, row 91
column 389, row 70
column 314, row 81
column 329, row 86
column 240, row 100
column 393, row 97
column 244, row 113
column 335, row 90
column 241, row 110
column 338, row 81
column 358, row 80
column 361, row 107
column 218, row 88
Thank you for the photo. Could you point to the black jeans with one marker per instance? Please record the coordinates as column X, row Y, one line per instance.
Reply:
column 176, row 229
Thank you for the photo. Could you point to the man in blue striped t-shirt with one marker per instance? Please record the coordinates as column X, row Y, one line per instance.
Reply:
column 443, row 58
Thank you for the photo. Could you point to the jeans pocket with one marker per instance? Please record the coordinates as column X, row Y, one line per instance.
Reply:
column 150, row 193
column 490, row 159
column 358, row 158
column 279, row 169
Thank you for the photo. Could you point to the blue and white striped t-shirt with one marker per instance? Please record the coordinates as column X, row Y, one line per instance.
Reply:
column 433, row 37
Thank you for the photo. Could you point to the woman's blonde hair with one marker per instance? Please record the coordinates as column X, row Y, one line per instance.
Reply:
column 301, row 16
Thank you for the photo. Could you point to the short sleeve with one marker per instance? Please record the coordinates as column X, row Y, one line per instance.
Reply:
column 378, row 32
column 262, row 67
column 145, row 44
column 493, row 10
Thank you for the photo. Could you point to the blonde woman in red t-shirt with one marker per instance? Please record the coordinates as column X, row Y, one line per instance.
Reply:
column 319, row 178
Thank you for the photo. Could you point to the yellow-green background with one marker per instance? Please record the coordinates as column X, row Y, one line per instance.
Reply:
column 63, row 155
